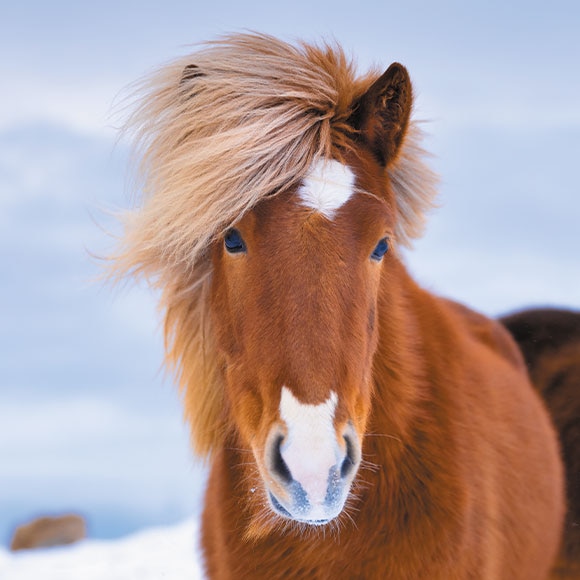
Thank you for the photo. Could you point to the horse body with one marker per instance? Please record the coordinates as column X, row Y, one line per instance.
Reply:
column 456, row 492
column 358, row 426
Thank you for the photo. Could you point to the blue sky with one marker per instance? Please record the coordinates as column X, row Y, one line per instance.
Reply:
column 87, row 419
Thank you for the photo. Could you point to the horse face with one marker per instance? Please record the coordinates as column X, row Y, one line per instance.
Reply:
column 294, row 302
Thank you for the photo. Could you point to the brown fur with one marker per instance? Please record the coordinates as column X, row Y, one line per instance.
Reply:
column 461, row 476
column 550, row 343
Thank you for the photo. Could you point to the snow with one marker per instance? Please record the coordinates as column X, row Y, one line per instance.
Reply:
column 154, row 554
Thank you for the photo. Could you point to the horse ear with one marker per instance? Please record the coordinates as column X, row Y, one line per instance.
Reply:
column 382, row 114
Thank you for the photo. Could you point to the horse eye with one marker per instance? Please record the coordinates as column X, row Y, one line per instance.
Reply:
column 234, row 242
column 380, row 250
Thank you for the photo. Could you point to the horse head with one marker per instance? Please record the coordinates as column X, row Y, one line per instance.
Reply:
column 277, row 185
column 294, row 306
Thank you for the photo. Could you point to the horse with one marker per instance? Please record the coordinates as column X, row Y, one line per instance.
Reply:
column 549, row 339
column 355, row 424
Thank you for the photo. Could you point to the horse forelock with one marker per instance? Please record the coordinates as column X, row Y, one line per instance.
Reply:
column 251, row 121
column 210, row 146
column 216, row 132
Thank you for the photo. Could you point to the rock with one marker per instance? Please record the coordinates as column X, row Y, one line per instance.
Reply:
column 49, row 531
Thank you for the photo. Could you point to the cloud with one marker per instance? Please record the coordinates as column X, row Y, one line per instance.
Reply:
column 77, row 427
column 84, row 104
column 96, row 456
column 60, row 328
column 505, row 235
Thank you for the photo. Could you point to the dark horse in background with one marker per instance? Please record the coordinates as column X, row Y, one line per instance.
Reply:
column 550, row 342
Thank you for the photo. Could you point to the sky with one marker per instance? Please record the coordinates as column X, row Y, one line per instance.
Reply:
column 89, row 421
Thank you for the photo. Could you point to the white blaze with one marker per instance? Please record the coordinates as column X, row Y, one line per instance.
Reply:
column 328, row 186
column 310, row 448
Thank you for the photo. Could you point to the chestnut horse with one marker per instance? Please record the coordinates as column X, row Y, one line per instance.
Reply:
column 357, row 426
column 550, row 342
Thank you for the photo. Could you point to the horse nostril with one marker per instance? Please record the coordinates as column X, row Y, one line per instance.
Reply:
column 279, row 466
column 349, row 461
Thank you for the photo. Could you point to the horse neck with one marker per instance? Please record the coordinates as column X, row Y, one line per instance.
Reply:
column 403, row 387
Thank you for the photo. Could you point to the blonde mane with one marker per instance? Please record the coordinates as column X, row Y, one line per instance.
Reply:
column 215, row 132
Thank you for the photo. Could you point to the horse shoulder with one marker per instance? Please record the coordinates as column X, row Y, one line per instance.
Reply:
column 488, row 332
column 502, row 432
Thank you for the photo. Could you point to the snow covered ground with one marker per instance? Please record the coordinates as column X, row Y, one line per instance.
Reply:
column 159, row 553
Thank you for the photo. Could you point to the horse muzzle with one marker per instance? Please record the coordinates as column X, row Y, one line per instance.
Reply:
column 308, row 480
